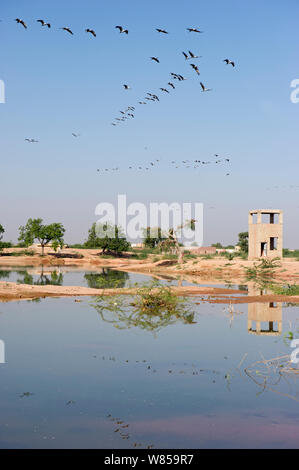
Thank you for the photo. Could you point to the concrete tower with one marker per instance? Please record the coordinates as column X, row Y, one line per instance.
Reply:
column 265, row 234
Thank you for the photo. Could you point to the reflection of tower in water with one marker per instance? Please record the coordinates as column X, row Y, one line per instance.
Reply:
column 264, row 318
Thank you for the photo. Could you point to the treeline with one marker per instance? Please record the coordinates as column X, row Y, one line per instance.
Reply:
column 107, row 237
column 111, row 238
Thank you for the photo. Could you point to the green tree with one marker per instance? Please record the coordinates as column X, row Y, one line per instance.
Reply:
column 92, row 241
column 152, row 236
column 243, row 241
column 35, row 230
column 108, row 237
column 217, row 245
column 171, row 243
column 108, row 278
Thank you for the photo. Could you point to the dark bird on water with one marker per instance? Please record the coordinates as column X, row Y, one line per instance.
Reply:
column 22, row 22
column 91, row 31
column 126, row 87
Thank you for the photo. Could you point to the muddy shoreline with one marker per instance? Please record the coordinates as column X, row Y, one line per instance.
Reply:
column 213, row 271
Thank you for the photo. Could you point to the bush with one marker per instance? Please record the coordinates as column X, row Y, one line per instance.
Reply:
column 5, row 245
column 170, row 256
column 264, row 269
column 289, row 289
column 290, row 254
column 188, row 255
column 108, row 237
column 155, row 298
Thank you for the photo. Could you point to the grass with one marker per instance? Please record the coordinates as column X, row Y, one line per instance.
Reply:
column 170, row 257
column 290, row 254
column 263, row 270
column 289, row 289
column 20, row 253
column 154, row 297
column 188, row 255
column 153, row 307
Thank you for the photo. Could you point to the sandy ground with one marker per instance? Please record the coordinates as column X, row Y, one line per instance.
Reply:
column 211, row 271
column 14, row 291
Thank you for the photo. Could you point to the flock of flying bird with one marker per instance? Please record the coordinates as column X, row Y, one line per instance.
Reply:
column 129, row 112
column 175, row 164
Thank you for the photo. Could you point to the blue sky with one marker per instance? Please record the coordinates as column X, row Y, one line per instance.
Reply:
column 57, row 84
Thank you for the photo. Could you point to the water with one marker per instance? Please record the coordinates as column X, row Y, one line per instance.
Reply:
column 102, row 278
column 76, row 379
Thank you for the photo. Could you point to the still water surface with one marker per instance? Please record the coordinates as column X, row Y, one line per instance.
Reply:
column 74, row 378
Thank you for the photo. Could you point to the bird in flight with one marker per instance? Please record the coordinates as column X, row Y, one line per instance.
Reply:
column 67, row 29
column 161, row 31
column 122, row 30
column 176, row 76
column 153, row 97
column 75, row 135
column 195, row 68
column 204, row 88
column 43, row 23
column 194, row 30
column 229, row 62
column 164, row 89
column 192, row 56
column 171, row 84
column 91, row 31
column 22, row 22
column 31, row 140
column 155, row 59
column 126, row 87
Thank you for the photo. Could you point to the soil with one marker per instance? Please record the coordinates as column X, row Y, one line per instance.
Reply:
column 199, row 270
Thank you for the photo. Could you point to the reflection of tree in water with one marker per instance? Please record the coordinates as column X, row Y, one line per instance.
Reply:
column 125, row 312
column 4, row 274
column 243, row 287
column 108, row 278
column 54, row 279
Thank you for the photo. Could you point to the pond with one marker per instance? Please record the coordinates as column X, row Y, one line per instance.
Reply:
column 86, row 375
column 101, row 278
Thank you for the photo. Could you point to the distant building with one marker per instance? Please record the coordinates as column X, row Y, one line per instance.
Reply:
column 265, row 234
column 203, row 250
